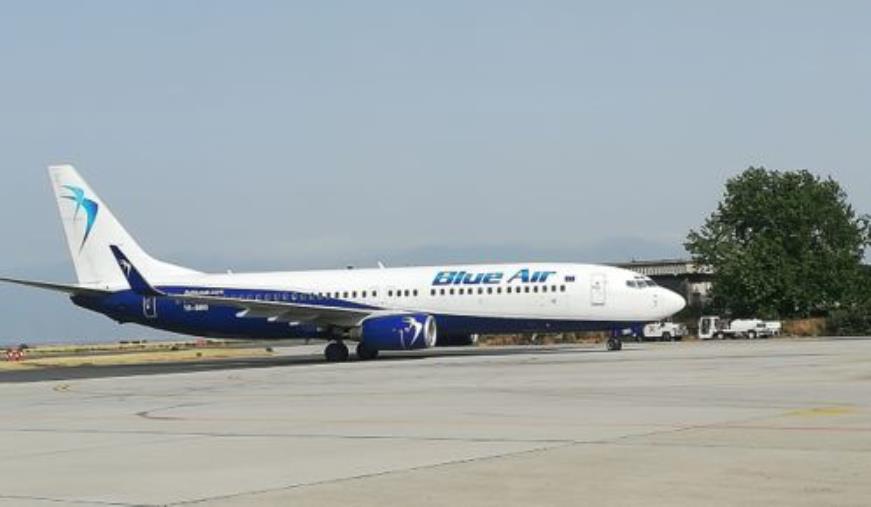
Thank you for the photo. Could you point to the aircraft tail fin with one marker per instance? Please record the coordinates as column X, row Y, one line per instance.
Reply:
column 91, row 229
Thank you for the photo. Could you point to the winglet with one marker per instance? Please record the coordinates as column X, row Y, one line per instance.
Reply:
column 134, row 278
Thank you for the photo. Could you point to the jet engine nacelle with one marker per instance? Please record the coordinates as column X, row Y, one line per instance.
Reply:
column 399, row 332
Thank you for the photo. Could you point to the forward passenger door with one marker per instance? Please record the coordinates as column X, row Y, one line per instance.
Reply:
column 598, row 289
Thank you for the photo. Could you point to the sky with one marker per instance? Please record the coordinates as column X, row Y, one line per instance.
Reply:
column 292, row 135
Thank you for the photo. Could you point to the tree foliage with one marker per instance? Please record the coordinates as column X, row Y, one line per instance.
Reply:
column 782, row 244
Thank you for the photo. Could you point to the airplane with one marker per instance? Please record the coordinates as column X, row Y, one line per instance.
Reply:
column 382, row 309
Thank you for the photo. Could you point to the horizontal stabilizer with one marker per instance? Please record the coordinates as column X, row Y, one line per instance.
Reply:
column 57, row 287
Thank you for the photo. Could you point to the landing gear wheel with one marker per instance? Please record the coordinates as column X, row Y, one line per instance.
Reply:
column 365, row 353
column 614, row 344
column 336, row 352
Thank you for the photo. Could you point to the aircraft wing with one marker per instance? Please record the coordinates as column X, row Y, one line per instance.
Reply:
column 282, row 311
column 274, row 311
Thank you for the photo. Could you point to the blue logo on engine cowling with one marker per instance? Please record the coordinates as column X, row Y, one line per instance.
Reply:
column 494, row 278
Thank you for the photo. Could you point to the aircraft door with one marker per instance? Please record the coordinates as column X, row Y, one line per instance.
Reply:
column 149, row 307
column 598, row 289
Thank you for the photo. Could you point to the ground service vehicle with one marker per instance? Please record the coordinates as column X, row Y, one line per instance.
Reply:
column 663, row 331
column 716, row 327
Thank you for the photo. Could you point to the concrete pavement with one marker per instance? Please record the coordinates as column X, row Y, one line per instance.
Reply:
column 778, row 422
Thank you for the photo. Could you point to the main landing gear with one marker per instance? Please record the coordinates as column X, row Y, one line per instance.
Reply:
column 336, row 352
column 614, row 343
column 365, row 353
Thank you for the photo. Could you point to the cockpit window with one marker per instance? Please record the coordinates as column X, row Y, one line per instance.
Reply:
column 641, row 282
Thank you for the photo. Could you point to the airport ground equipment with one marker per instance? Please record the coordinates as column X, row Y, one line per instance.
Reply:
column 663, row 331
column 775, row 327
column 719, row 328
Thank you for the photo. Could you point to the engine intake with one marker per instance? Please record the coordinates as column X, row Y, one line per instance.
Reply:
column 399, row 332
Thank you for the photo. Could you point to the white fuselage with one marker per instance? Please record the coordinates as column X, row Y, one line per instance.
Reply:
column 572, row 292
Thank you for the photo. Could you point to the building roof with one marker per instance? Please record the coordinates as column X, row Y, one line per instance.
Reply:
column 665, row 267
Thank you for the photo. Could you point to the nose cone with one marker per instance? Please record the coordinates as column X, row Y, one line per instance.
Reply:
column 671, row 302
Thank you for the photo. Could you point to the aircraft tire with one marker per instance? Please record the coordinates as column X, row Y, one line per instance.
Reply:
column 365, row 353
column 336, row 352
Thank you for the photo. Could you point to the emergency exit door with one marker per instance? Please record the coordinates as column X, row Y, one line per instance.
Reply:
column 598, row 289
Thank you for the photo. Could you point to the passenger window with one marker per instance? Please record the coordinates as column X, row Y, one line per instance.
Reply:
column 508, row 290
column 526, row 289
column 489, row 290
column 415, row 292
column 441, row 292
column 461, row 291
column 535, row 289
column 390, row 293
column 407, row 293
column 544, row 288
column 374, row 293
column 354, row 294
column 345, row 294
column 432, row 292
column 452, row 292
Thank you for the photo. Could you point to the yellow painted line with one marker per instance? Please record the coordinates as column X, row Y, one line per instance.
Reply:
column 822, row 412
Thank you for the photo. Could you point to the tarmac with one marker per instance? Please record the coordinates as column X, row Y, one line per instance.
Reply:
column 766, row 422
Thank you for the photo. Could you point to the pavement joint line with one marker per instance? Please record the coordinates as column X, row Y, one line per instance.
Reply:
column 70, row 501
column 175, row 438
column 723, row 446
column 372, row 475
column 717, row 425
column 411, row 438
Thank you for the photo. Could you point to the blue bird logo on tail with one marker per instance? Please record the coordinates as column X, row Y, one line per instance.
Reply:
column 82, row 203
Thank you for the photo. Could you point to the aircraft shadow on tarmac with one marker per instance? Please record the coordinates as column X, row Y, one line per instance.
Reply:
column 131, row 370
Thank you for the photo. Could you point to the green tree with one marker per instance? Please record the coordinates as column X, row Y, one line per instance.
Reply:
column 782, row 244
